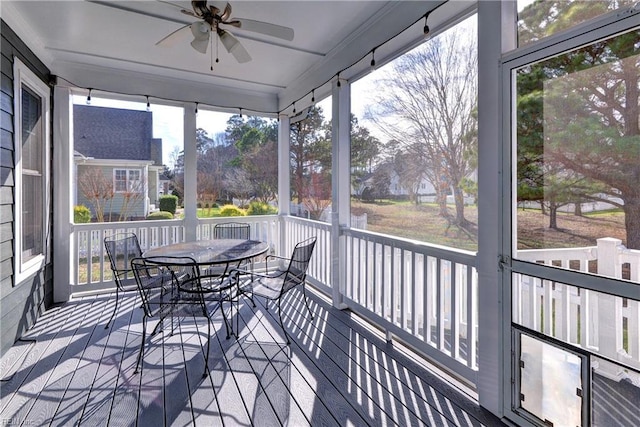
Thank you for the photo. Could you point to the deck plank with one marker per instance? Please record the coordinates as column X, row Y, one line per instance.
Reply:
column 336, row 372
column 46, row 404
column 73, row 401
column 97, row 408
column 29, row 382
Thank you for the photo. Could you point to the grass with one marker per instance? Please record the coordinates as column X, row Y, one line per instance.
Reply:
column 423, row 222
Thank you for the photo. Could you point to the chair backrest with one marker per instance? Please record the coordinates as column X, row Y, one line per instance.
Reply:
column 121, row 249
column 232, row 230
column 297, row 270
column 158, row 278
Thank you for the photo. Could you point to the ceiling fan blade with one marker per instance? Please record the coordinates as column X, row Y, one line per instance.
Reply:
column 175, row 37
column 233, row 46
column 201, row 32
column 226, row 14
column 199, row 7
column 273, row 30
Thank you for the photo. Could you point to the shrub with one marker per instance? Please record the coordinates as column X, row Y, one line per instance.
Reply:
column 169, row 203
column 160, row 215
column 81, row 214
column 231, row 210
column 260, row 208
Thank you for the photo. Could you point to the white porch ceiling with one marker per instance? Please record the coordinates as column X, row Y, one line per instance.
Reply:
column 110, row 45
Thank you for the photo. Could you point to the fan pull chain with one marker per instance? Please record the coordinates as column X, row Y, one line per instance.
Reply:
column 211, row 51
column 217, row 46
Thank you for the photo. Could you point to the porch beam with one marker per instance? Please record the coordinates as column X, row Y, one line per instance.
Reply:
column 340, row 184
column 62, row 179
column 493, row 310
column 284, row 178
column 190, row 173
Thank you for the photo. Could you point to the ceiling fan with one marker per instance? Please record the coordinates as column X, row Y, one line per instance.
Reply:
column 211, row 19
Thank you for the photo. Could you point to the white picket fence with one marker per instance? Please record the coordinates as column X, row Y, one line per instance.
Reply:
column 604, row 324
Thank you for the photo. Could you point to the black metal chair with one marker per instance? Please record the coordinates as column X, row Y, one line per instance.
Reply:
column 232, row 230
column 121, row 249
column 273, row 285
column 167, row 288
column 213, row 287
column 229, row 230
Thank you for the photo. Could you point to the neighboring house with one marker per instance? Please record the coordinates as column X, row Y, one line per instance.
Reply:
column 395, row 188
column 120, row 144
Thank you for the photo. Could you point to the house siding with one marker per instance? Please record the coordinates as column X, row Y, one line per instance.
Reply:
column 20, row 303
column 133, row 212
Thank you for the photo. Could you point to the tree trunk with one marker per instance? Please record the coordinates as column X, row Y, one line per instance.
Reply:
column 458, row 197
column 577, row 209
column 441, row 200
column 632, row 220
column 553, row 216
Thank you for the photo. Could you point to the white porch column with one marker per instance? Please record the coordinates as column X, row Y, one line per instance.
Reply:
column 340, row 184
column 496, row 33
column 284, row 177
column 190, row 173
column 63, row 168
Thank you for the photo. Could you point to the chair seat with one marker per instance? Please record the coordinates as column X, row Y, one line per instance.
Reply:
column 268, row 287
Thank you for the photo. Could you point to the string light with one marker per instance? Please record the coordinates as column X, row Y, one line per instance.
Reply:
column 196, row 108
column 313, row 95
column 294, row 107
column 373, row 58
column 148, row 103
column 240, row 112
column 338, row 76
column 89, row 97
column 425, row 30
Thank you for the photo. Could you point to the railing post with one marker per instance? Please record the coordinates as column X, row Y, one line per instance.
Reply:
column 609, row 307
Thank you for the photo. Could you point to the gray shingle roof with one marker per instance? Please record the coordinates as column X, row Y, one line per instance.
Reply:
column 112, row 133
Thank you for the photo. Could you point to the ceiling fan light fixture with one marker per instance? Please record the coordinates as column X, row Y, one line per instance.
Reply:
column 200, row 30
column 200, row 45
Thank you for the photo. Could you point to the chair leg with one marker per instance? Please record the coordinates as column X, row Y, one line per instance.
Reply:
column 281, row 322
column 115, row 309
column 224, row 316
column 206, row 355
column 304, row 295
column 141, row 351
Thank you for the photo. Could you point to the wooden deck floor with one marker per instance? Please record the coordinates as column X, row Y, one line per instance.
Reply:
column 70, row 370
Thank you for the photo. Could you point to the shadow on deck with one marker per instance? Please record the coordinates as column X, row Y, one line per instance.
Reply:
column 335, row 372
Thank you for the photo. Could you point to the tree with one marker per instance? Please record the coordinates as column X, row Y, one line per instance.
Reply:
column 98, row 190
column 257, row 157
column 305, row 137
column 427, row 103
column 585, row 109
column 365, row 148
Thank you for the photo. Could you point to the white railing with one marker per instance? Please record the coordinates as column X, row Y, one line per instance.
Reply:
column 91, row 267
column 604, row 324
column 265, row 228
column 299, row 229
column 424, row 294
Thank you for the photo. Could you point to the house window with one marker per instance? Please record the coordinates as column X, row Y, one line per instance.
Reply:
column 31, row 139
column 127, row 180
